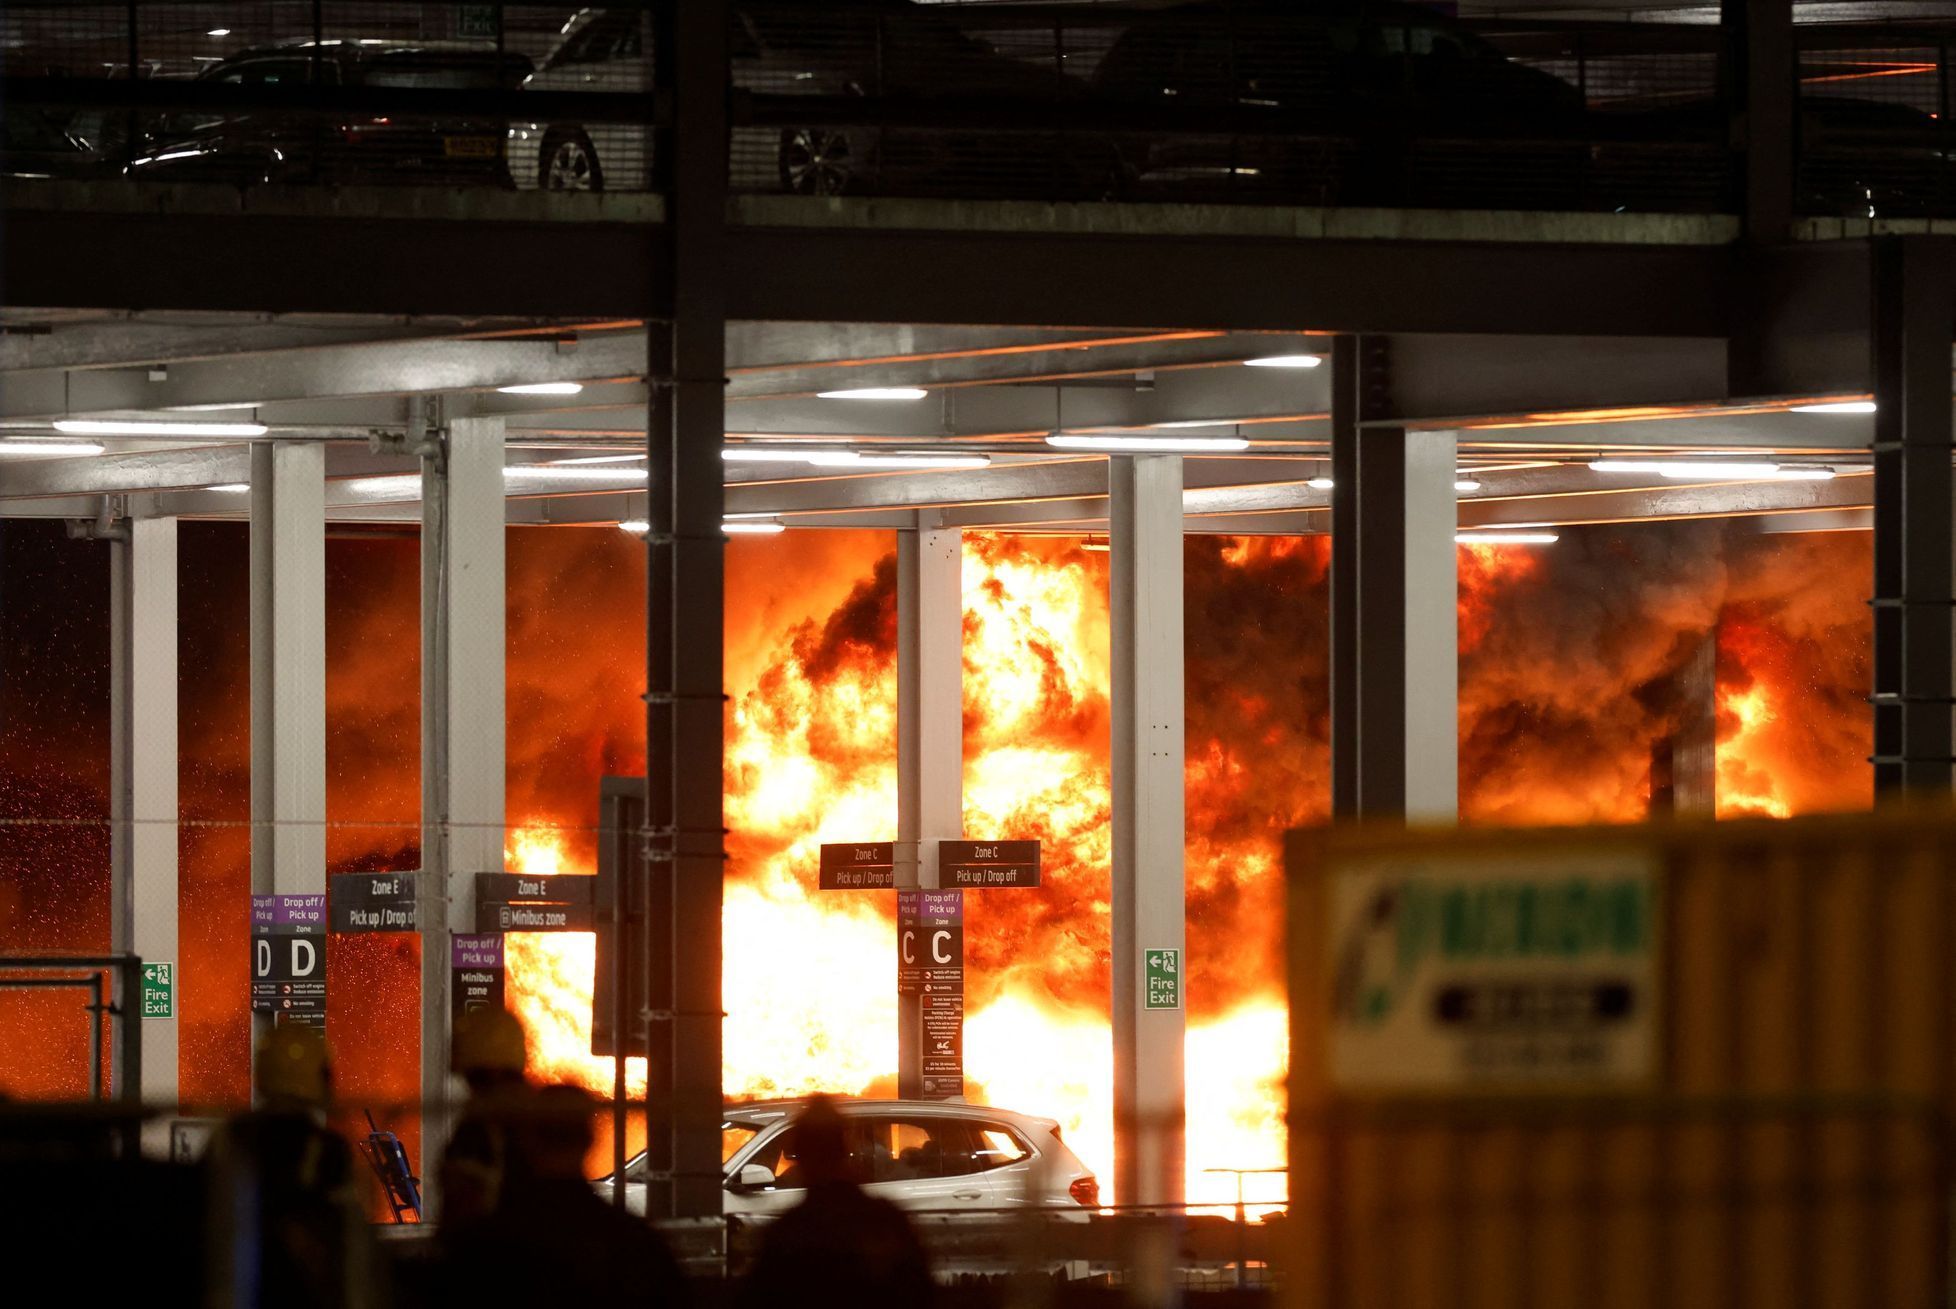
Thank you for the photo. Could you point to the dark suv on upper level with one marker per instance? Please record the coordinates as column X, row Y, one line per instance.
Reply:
column 1333, row 102
column 297, row 144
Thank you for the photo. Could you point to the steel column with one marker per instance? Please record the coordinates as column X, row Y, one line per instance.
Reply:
column 462, row 719
column 686, row 360
column 1149, row 905
column 1759, row 84
column 288, row 672
column 1914, row 321
column 143, row 782
column 1395, row 626
column 930, row 735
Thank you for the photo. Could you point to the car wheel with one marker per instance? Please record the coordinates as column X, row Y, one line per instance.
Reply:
column 569, row 163
column 818, row 161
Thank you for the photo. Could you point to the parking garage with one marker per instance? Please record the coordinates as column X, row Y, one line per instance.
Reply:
column 781, row 527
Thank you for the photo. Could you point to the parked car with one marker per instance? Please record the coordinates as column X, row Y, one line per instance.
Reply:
column 951, row 1160
column 39, row 141
column 874, row 50
column 1359, row 101
column 270, row 145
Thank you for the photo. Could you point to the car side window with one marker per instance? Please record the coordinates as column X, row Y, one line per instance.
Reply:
column 778, row 1157
column 913, row 1149
column 999, row 1147
column 269, row 72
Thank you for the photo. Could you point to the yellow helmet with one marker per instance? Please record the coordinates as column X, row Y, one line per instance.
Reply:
column 294, row 1063
column 488, row 1040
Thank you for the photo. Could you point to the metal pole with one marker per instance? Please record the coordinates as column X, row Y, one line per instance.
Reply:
column 95, row 1040
column 1913, row 322
column 686, row 510
column 1346, row 742
column 619, row 936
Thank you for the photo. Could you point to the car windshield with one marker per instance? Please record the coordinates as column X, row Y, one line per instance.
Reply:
column 732, row 1137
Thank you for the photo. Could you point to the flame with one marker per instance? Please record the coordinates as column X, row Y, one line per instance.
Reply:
column 1745, row 789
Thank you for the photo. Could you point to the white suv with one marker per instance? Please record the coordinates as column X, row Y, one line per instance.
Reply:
column 940, row 1159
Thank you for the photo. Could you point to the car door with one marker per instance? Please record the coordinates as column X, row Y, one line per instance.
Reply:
column 926, row 1163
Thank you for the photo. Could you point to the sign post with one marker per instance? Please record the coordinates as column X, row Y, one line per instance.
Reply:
column 930, row 943
column 288, row 958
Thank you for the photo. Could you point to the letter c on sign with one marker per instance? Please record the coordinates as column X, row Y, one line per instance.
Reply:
column 909, row 939
column 937, row 941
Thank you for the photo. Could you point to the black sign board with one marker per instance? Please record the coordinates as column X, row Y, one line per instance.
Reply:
column 942, row 1017
column 978, row 865
column 930, row 967
column 476, row 976
column 288, row 958
column 373, row 902
column 634, row 901
column 858, row 866
column 516, row 902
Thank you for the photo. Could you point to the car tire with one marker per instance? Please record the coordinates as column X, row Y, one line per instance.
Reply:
column 568, row 162
column 820, row 161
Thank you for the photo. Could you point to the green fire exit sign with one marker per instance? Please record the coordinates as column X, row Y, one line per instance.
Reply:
column 1162, row 975
column 159, row 990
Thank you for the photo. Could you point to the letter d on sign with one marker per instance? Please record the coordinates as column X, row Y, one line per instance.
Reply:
column 262, row 957
column 310, row 955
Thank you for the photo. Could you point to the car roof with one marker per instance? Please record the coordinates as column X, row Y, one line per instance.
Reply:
column 374, row 48
column 761, row 1112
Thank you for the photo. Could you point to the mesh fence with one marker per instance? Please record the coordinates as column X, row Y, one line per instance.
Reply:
column 1199, row 102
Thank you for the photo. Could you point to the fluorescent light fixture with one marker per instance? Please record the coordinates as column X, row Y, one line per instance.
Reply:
column 638, row 525
column 1285, row 361
column 148, row 427
column 1837, row 407
column 232, row 488
column 750, row 527
column 896, row 459
column 1320, row 484
column 1192, row 422
column 596, row 459
column 218, row 31
column 764, row 454
column 765, row 513
column 390, row 484
column 13, row 446
column 1097, row 545
column 1717, row 470
column 560, row 473
column 1466, row 484
column 1505, row 538
column 875, row 393
column 543, row 388
column 1112, row 443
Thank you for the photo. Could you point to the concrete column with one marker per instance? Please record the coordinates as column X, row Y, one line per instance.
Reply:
column 288, row 672
column 1149, row 908
column 930, row 735
column 143, row 783
column 1915, row 284
column 1394, row 615
column 462, row 719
